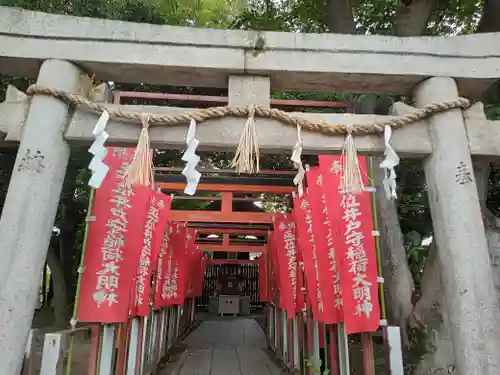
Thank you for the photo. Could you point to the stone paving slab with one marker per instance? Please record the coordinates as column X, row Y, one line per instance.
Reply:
column 225, row 347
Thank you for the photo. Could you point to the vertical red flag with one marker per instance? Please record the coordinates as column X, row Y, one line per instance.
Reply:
column 114, row 243
column 154, row 231
column 174, row 270
column 286, row 244
column 165, row 201
column 357, row 248
column 305, row 236
column 158, row 301
column 328, row 272
column 277, row 270
column 274, row 272
column 301, row 301
column 262, row 264
column 192, row 261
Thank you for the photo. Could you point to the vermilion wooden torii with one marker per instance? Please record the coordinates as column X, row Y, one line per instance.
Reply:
column 227, row 221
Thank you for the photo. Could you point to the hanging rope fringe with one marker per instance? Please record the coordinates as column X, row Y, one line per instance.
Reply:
column 141, row 169
column 352, row 182
column 296, row 158
column 246, row 158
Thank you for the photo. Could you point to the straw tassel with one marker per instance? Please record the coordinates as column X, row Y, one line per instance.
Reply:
column 141, row 169
column 246, row 158
column 352, row 181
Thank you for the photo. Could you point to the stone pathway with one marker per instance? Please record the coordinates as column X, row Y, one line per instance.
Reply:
column 225, row 347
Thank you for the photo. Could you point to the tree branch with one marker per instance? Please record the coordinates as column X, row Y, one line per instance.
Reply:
column 411, row 20
column 340, row 17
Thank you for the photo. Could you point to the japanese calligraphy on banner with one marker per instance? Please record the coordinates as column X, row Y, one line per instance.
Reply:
column 154, row 231
column 329, row 278
column 174, row 268
column 301, row 298
column 305, row 237
column 160, row 264
column 114, row 243
column 286, row 245
column 358, row 268
column 263, row 288
column 192, row 261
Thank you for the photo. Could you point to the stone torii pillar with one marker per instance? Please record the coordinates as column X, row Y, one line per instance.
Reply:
column 459, row 233
column 30, row 209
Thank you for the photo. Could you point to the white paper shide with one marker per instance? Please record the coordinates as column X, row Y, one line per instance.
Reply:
column 191, row 160
column 98, row 168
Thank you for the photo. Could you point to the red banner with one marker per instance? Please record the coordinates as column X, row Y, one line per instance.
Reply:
column 154, row 231
column 262, row 263
column 358, row 268
column 324, row 237
column 160, row 264
column 274, row 271
column 164, row 204
column 301, row 298
column 286, row 245
column 192, row 261
column 113, row 244
column 174, row 268
column 305, row 237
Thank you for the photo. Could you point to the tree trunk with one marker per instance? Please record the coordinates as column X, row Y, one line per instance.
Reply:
column 489, row 17
column 429, row 320
column 428, row 340
column 431, row 347
column 340, row 17
column 68, row 226
column 398, row 280
column 60, row 301
column 67, row 238
column 412, row 19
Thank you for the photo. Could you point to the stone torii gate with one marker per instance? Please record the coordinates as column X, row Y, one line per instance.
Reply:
column 63, row 51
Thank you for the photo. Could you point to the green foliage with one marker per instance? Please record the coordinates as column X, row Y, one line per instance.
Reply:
column 125, row 10
column 314, row 364
column 416, row 254
column 452, row 17
column 200, row 13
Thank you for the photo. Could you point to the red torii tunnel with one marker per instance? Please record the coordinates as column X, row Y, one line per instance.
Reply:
column 232, row 222
column 231, row 227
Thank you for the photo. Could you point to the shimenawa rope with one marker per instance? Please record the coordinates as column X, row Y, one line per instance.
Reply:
column 202, row 115
column 246, row 158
